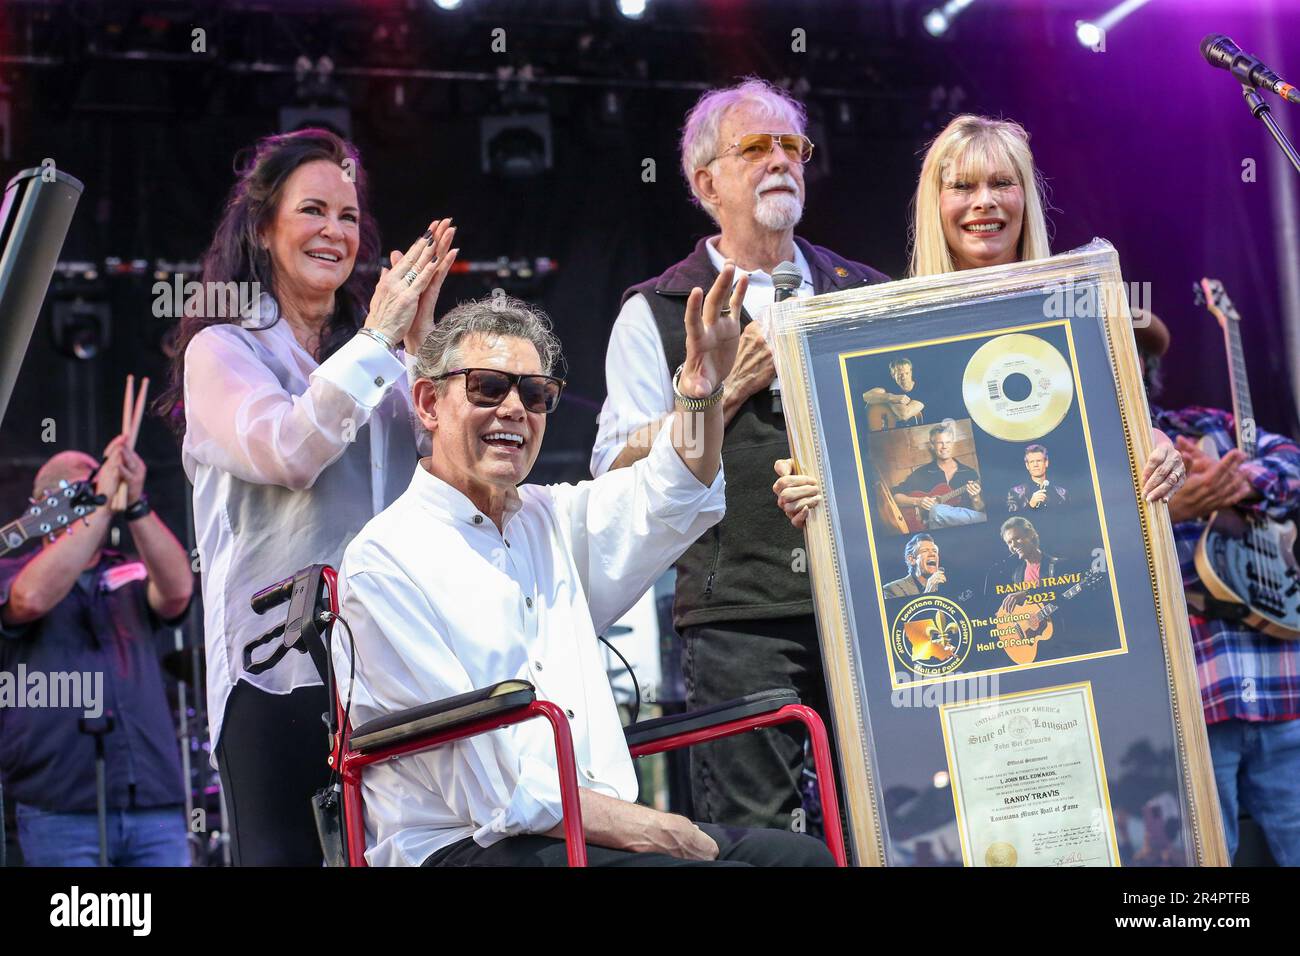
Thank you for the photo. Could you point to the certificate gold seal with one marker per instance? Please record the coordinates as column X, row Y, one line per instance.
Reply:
column 1017, row 387
column 1000, row 854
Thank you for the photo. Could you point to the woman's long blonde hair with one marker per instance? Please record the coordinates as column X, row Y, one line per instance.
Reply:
column 973, row 146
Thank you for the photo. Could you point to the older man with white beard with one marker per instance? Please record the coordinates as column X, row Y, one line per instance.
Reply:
column 743, row 603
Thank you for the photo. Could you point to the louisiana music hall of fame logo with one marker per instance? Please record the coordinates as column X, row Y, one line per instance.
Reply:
column 931, row 636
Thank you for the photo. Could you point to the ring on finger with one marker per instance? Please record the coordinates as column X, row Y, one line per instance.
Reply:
column 410, row 276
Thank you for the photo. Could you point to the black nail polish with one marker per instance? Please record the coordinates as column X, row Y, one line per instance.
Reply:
column 428, row 234
column 430, row 240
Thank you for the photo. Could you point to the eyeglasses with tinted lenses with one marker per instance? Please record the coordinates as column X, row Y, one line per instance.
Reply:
column 755, row 147
column 488, row 388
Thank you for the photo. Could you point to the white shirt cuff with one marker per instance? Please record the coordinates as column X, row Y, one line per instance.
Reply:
column 363, row 368
column 525, row 814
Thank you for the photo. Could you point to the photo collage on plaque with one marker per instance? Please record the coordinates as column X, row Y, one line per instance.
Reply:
column 981, row 501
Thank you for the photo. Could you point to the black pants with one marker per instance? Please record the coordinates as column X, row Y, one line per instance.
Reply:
column 752, row 779
column 272, row 757
column 736, row 847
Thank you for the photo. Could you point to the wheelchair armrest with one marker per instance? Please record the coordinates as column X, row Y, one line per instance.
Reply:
column 392, row 729
column 751, row 705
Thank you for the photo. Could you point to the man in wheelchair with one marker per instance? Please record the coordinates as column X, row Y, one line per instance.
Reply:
column 471, row 578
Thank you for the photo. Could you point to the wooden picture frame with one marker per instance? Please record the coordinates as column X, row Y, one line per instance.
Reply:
column 990, row 708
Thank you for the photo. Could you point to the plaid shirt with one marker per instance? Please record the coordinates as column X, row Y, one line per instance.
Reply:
column 1244, row 674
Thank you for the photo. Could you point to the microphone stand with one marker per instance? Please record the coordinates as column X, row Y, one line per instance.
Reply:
column 1260, row 110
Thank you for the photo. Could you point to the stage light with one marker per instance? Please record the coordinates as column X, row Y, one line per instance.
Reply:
column 633, row 9
column 936, row 24
column 938, row 20
column 1089, row 34
column 80, row 329
column 448, row 4
column 515, row 146
column 1092, row 33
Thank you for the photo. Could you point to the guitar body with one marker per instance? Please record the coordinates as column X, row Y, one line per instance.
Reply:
column 880, row 417
column 1041, row 631
column 915, row 516
column 1243, row 557
column 1248, row 559
column 888, row 509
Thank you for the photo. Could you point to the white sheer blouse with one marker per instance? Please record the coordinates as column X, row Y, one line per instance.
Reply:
column 289, row 459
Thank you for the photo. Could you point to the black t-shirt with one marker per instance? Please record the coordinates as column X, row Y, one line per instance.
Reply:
column 930, row 415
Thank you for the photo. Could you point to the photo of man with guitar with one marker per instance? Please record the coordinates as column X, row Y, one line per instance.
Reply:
column 886, row 409
column 944, row 493
column 1234, row 525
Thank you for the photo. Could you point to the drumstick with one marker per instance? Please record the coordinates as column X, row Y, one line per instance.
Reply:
column 139, row 412
column 128, row 408
column 132, row 414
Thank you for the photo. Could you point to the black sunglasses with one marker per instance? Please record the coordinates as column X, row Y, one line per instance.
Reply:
column 488, row 388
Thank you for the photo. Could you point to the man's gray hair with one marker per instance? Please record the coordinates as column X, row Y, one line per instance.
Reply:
column 499, row 315
column 703, row 127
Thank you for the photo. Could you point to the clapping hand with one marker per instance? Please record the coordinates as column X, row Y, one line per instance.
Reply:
column 402, row 307
column 1211, row 485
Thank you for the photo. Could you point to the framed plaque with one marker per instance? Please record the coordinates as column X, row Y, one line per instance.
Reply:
column 1001, row 614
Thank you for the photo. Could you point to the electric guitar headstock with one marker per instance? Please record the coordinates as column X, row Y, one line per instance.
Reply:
column 1211, row 294
column 52, row 511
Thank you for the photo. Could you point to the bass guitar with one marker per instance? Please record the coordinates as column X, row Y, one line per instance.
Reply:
column 1245, row 559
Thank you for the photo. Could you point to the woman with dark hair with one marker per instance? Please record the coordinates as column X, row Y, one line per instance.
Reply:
column 296, row 429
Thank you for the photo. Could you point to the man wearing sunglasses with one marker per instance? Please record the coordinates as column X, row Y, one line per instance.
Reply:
column 743, row 604
column 471, row 578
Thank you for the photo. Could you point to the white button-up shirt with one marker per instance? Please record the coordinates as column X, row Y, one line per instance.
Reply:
column 441, row 603
column 289, row 459
column 638, row 381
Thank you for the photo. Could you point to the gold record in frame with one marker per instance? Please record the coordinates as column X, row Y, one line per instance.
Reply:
column 1027, row 361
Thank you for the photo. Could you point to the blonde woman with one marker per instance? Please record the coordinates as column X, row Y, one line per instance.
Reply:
column 979, row 202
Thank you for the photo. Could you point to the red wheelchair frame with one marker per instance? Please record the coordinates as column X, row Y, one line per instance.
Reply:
column 511, row 702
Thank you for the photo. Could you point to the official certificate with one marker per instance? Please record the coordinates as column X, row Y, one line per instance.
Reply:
column 1028, row 779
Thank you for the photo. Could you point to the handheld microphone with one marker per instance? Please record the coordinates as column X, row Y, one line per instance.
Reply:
column 1221, row 52
column 786, row 278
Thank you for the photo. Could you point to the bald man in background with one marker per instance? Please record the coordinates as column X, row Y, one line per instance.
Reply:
column 78, row 620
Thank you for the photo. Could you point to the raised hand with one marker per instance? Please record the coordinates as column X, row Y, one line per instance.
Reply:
column 712, row 334
column 396, row 301
column 444, row 259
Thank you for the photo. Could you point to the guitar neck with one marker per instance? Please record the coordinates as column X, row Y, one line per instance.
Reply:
column 1242, row 410
column 1071, row 592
